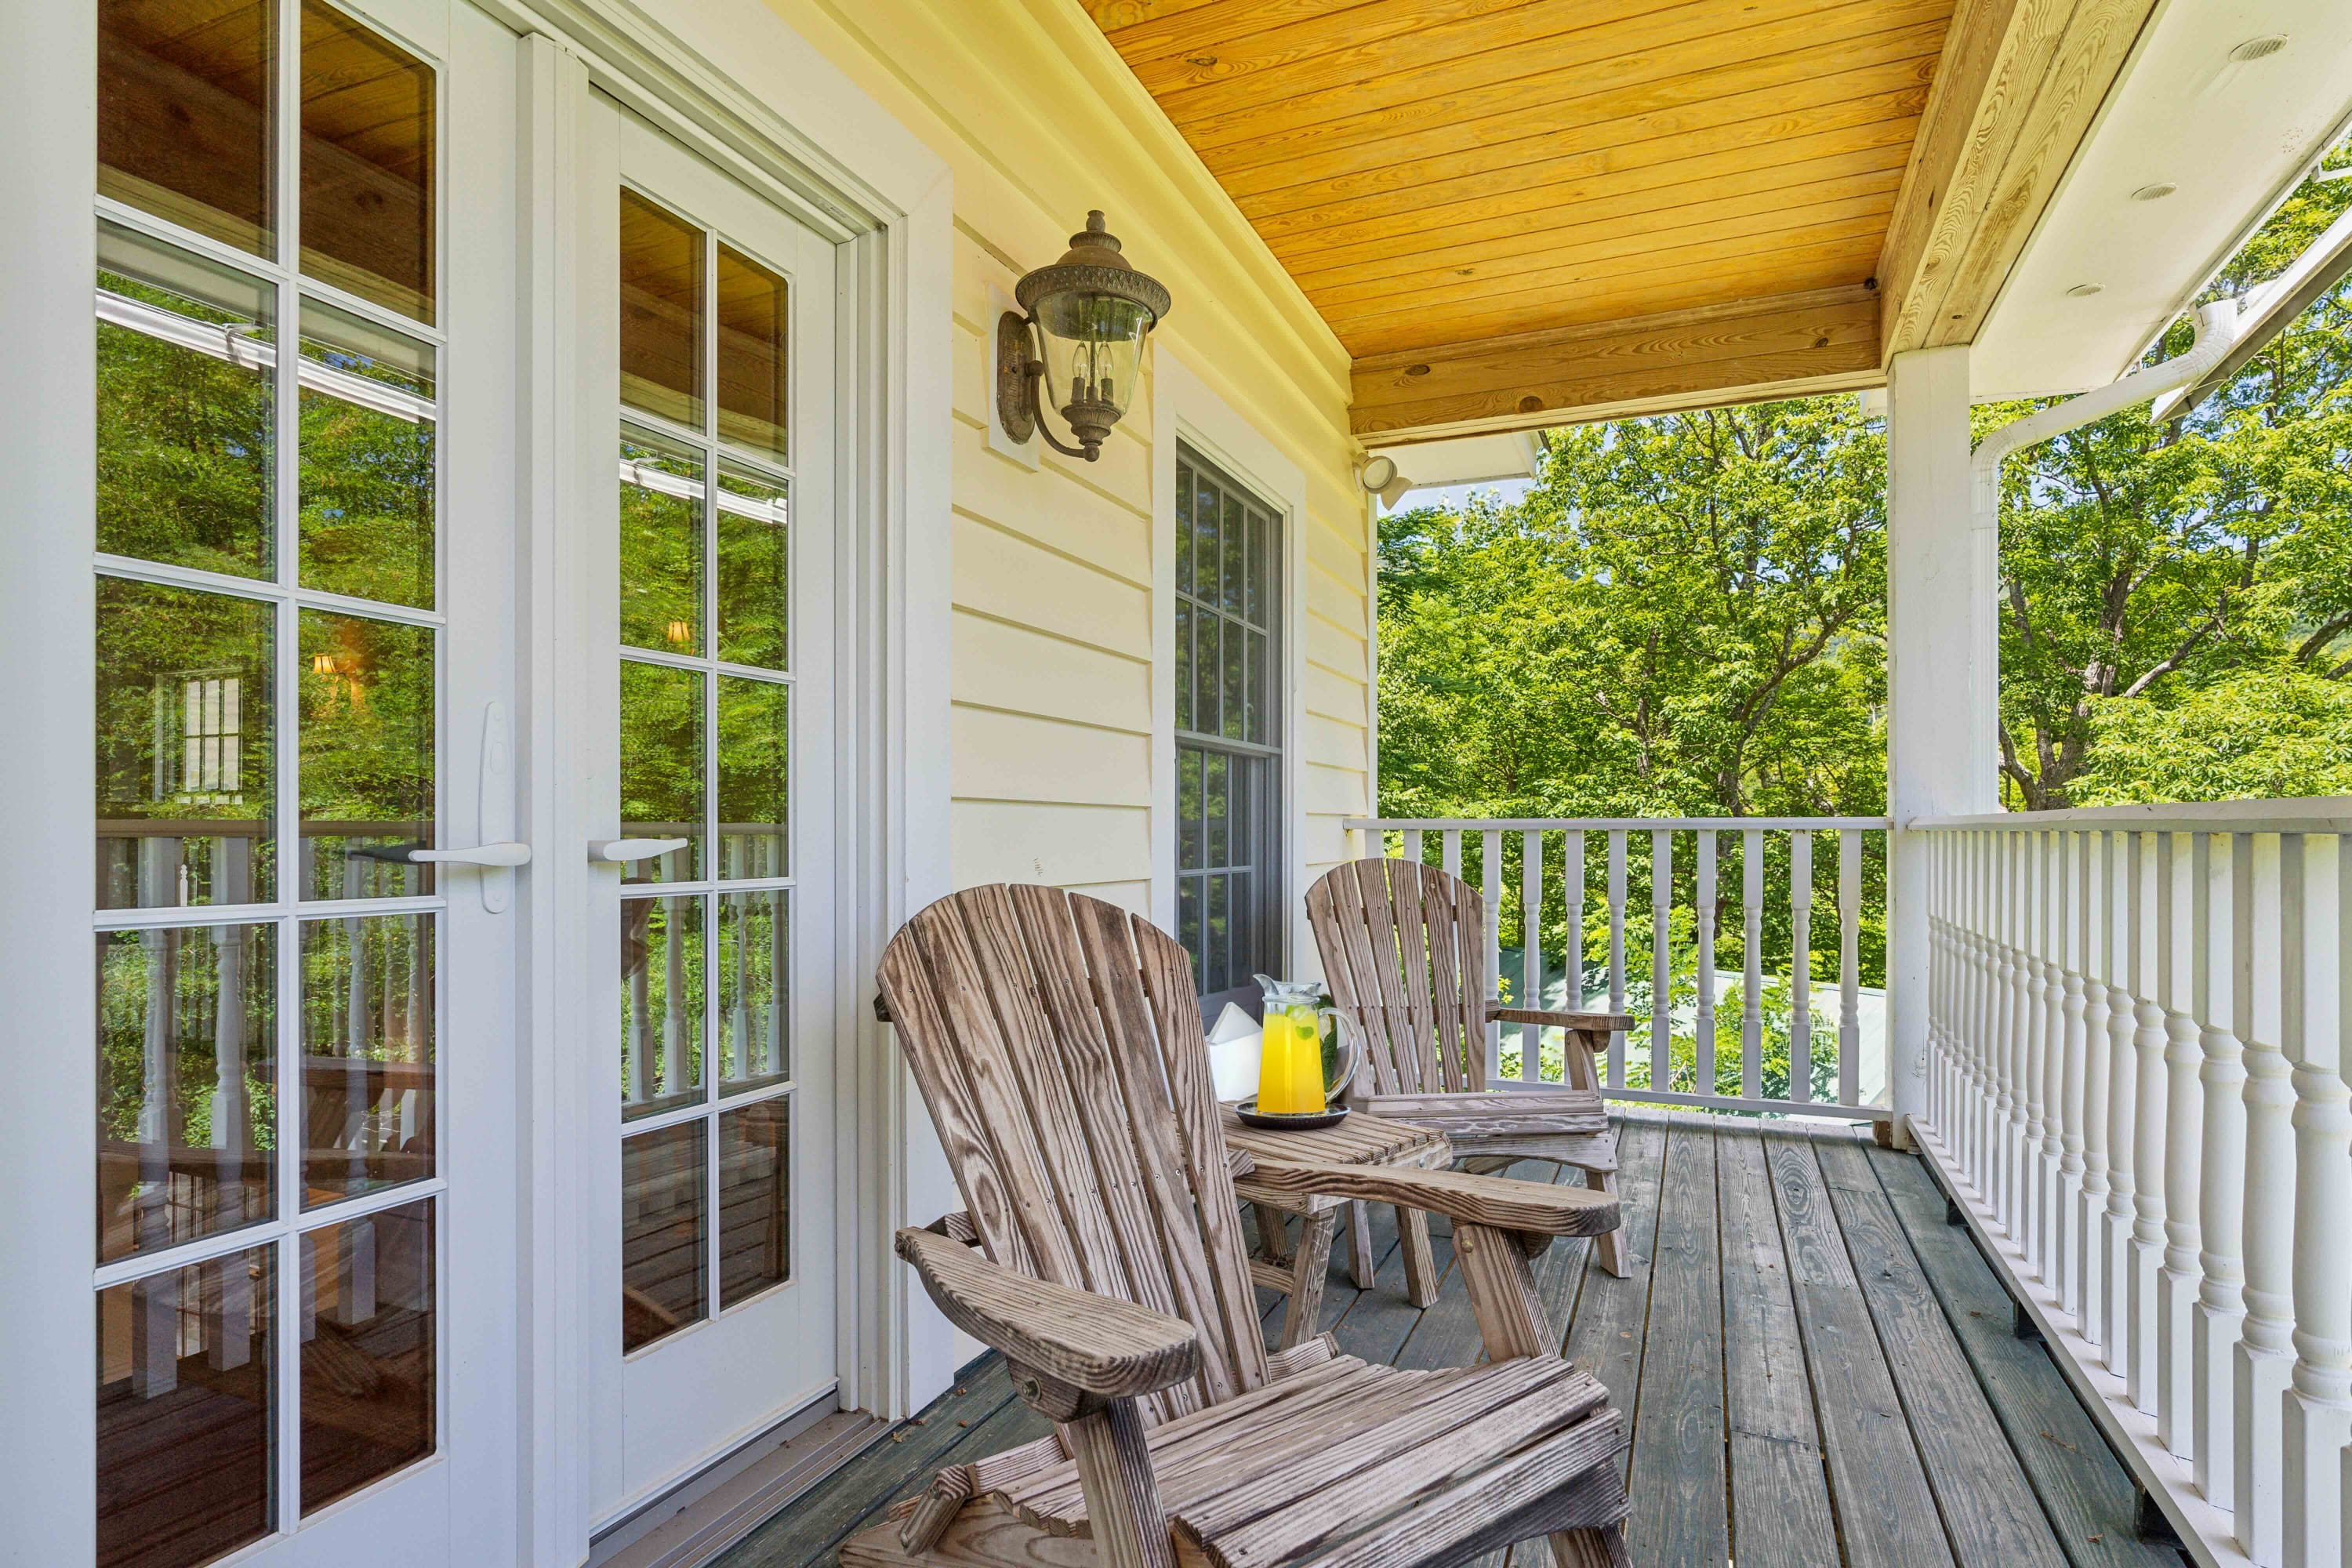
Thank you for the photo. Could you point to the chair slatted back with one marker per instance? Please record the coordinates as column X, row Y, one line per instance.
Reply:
column 1057, row 1042
column 1404, row 950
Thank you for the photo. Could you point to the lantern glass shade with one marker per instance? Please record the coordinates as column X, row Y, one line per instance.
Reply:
column 1092, row 344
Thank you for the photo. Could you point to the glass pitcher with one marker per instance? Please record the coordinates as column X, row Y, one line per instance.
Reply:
column 1290, row 1064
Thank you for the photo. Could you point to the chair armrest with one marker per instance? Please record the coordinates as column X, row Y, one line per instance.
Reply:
column 1601, row 1024
column 1530, row 1208
column 1100, row 1344
column 1471, row 1114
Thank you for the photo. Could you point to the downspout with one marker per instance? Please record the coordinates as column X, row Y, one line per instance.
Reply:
column 2218, row 326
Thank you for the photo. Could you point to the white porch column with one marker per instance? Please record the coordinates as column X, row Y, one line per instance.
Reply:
column 1942, row 671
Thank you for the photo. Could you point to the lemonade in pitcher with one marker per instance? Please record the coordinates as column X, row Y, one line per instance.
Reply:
column 1290, row 1065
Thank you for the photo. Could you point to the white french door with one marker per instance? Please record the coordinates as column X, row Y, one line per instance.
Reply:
column 709, row 739
column 301, row 1269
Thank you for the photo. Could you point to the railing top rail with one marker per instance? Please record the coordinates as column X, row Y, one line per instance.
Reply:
column 2319, row 814
column 1618, row 823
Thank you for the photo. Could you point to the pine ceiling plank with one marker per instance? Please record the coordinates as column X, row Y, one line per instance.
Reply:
column 1725, row 200
column 1253, row 47
column 1605, row 172
column 1671, row 46
column 1775, row 109
column 1153, row 28
column 1740, row 350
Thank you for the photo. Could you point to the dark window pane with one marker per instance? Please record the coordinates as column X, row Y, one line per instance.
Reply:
column 1254, row 569
column 754, row 568
column 1183, row 664
column 368, row 1361
column 755, row 985
column 367, row 450
column 1218, row 939
column 185, row 748
column 186, row 1412
column 661, row 545
column 1190, row 761
column 661, row 1004
column 1242, row 774
column 1184, row 528
column 367, row 1054
column 755, row 734
column 187, row 1061
column 662, row 1233
column 1246, row 958
column 661, row 767
column 753, row 320
column 186, row 99
column 1235, row 662
column 1207, row 507
column 1207, row 655
column 661, row 312
column 368, row 150
column 755, row 1199
column 186, row 425
column 1188, row 925
column 367, row 756
column 1234, row 536
column 1213, row 802
column 1264, row 681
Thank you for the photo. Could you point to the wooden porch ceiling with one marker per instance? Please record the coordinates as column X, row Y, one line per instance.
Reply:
column 1516, row 213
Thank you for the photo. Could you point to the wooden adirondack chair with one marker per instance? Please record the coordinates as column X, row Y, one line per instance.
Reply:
column 1057, row 1042
column 1404, row 953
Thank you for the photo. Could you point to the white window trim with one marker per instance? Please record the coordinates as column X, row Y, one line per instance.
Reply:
column 1185, row 408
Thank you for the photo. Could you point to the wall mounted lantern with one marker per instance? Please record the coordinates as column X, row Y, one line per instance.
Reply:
column 1089, row 313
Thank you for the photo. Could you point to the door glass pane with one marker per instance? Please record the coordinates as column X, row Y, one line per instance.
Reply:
column 186, row 428
column 754, row 1199
column 661, row 544
column 186, row 99
column 754, row 776
column 368, row 150
column 753, row 319
column 184, row 760
column 661, row 767
column 187, row 1033
column 368, row 1360
column 661, row 1004
column 663, row 1240
column 754, row 989
column 661, row 312
column 367, row 756
column 186, row 1404
column 367, row 1054
column 754, row 568
column 367, row 448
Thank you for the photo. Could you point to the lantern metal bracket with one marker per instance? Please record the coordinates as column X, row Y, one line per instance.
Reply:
column 1018, row 375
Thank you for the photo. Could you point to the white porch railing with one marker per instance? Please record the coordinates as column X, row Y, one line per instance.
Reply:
column 2134, row 1077
column 1793, row 1039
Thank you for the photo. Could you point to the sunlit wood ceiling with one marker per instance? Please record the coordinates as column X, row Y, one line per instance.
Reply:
column 1605, row 184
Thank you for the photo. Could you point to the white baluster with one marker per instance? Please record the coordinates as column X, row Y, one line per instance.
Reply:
column 1412, row 845
column 1705, row 1040
column 1530, row 952
column 2122, row 1107
column 1937, row 911
column 2184, row 1125
column 2050, row 946
column 2066, row 1226
column 1850, row 972
column 1573, row 885
column 2265, row 1356
column 2223, row 874
column 1991, row 1013
column 2090, row 1214
column 2032, row 1045
column 1452, row 851
column 1490, row 883
column 1751, row 963
column 2151, row 1092
column 1801, row 966
column 2319, row 1398
column 1617, row 953
column 1662, row 894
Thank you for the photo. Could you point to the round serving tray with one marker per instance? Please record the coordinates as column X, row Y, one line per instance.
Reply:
column 1288, row 1121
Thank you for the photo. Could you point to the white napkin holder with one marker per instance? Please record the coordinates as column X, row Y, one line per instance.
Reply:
column 1234, row 1046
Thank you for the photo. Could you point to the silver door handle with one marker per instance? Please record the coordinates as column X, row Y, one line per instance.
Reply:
column 506, row 854
column 623, row 850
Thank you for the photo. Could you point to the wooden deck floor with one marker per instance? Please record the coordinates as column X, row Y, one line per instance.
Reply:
column 1816, row 1369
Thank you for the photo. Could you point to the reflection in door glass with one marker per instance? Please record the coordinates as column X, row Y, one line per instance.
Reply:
column 754, row 989
column 367, row 446
column 368, row 1354
column 661, row 544
column 661, row 1004
column 754, row 568
column 187, row 114
column 367, row 1054
column 186, row 1412
column 186, row 424
column 661, row 312
column 187, row 1061
column 754, row 1199
column 367, row 756
column 754, row 311
column 368, row 146
column 661, row 767
column 755, row 728
column 662, row 1238
column 185, row 761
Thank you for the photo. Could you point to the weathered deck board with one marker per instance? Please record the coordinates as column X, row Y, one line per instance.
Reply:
column 1814, row 1371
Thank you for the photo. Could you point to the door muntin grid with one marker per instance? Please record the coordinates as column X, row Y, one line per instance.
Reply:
column 706, row 694
column 270, row 730
column 1229, row 727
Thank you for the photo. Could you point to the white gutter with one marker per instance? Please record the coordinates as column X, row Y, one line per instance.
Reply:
column 2269, row 309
